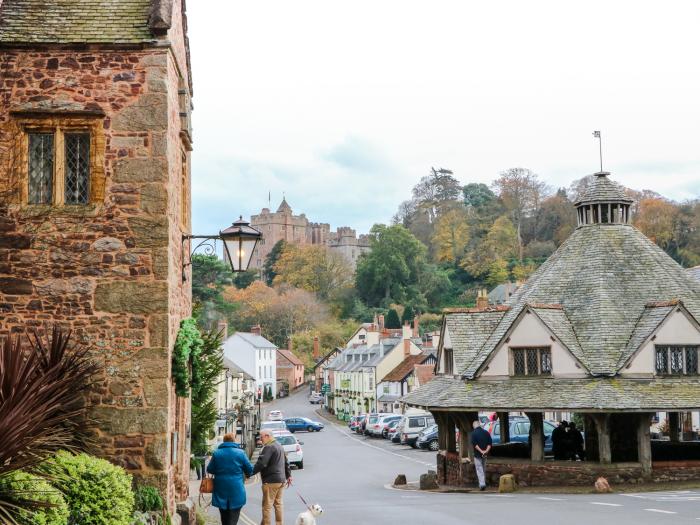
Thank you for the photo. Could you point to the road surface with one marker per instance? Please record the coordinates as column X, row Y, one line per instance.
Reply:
column 349, row 477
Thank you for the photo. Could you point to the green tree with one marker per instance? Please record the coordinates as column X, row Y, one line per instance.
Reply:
column 210, row 276
column 245, row 279
column 392, row 319
column 408, row 314
column 206, row 372
column 395, row 263
column 497, row 272
column 478, row 195
column 271, row 260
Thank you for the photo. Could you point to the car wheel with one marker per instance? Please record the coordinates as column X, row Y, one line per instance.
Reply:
column 291, row 431
column 300, row 465
column 433, row 445
column 309, row 428
column 414, row 445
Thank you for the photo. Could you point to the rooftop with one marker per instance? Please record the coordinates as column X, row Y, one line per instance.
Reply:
column 255, row 340
column 83, row 21
column 289, row 356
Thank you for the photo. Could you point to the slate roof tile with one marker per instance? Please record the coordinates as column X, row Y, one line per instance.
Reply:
column 592, row 394
column 75, row 21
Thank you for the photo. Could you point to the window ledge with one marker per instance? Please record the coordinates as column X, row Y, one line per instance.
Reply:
column 68, row 210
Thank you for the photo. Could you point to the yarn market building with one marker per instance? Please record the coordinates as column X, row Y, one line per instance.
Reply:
column 606, row 328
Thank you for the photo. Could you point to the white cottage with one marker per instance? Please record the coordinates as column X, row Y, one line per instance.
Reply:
column 256, row 355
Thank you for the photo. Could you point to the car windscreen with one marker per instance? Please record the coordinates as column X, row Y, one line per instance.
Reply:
column 373, row 419
column 286, row 440
column 273, row 424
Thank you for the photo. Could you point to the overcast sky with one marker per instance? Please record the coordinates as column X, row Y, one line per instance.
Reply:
column 343, row 106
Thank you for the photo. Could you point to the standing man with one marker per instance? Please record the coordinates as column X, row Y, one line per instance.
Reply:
column 481, row 440
column 275, row 474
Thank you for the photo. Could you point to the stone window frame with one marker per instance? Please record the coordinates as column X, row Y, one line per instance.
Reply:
column 448, row 361
column 527, row 372
column 59, row 125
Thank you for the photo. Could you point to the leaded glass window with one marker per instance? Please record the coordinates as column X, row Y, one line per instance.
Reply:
column 519, row 362
column 691, row 360
column 77, row 171
column 40, row 168
column 532, row 361
column 662, row 360
column 545, row 361
column 676, row 360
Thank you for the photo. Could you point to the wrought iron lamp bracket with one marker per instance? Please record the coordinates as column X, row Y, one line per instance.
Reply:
column 206, row 242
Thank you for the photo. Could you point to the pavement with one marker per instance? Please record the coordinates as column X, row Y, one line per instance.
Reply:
column 350, row 477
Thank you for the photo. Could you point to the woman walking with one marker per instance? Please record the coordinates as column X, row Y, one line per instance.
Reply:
column 230, row 466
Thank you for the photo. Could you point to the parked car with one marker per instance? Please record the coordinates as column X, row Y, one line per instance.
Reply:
column 354, row 421
column 412, row 425
column 292, row 448
column 303, row 423
column 376, row 424
column 275, row 415
column 519, row 432
column 316, row 398
column 428, row 439
column 273, row 425
column 388, row 427
column 394, row 434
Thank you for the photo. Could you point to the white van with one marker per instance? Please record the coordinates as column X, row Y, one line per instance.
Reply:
column 412, row 424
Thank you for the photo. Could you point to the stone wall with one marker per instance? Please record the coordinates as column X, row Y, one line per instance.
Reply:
column 456, row 473
column 110, row 270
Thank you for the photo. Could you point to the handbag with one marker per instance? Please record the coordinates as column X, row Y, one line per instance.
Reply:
column 207, row 485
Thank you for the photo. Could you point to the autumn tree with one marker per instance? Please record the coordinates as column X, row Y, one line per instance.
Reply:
column 521, row 192
column 451, row 237
column 314, row 269
column 657, row 220
column 556, row 218
column 501, row 244
column 280, row 312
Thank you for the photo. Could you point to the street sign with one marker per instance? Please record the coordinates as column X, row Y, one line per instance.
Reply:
column 325, row 388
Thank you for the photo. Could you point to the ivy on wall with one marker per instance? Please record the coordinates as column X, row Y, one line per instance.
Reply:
column 188, row 348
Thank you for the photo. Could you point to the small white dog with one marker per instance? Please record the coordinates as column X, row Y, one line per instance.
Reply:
column 308, row 517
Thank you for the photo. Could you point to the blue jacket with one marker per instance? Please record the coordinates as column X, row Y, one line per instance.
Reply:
column 228, row 464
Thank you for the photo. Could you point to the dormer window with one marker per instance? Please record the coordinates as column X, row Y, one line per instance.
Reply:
column 677, row 360
column 448, row 361
column 535, row 361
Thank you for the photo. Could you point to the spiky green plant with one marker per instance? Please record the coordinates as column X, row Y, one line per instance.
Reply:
column 43, row 385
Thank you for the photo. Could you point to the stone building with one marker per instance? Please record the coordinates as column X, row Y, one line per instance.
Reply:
column 95, row 197
column 283, row 225
column 606, row 328
column 346, row 242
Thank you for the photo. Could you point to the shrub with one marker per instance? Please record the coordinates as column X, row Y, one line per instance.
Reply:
column 97, row 492
column 147, row 498
column 51, row 508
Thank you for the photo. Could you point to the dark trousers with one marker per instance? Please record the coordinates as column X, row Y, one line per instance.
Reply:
column 199, row 469
column 230, row 516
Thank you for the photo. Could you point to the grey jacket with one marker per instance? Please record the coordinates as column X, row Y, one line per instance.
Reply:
column 272, row 464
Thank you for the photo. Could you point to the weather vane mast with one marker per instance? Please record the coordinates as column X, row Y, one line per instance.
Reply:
column 596, row 134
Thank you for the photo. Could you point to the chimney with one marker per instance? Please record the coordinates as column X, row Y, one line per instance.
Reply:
column 416, row 326
column 255, row 330
column 381, row 348
column 222, row 327
column 289, row 344
column 406, row 331
column 317, row 348
column 482, row 299
column 406, row 348
column 381, row 323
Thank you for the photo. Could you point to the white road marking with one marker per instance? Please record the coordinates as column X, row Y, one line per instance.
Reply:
column 357, row 440
column 605, row 504
column 498, row 495
column 245, row 519
column 661, row 511
column 550, row 499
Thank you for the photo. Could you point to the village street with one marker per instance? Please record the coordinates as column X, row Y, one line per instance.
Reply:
column 350, row 475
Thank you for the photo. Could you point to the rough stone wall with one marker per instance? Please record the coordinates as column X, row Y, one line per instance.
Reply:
column 109, row 270
column 453, row 472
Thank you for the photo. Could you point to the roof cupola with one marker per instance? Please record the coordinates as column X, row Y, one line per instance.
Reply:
column 603, row 202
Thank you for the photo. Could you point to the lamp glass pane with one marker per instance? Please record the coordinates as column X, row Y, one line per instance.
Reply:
column 241, row 252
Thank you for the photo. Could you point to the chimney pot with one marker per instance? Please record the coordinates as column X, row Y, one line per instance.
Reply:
column 482, row 300
column 256, row 329
column 416, row 326
column 381, row 322
column 222, row 326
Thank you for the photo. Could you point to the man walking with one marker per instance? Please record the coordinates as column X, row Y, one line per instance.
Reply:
column 275, row 473
column 481, row 440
